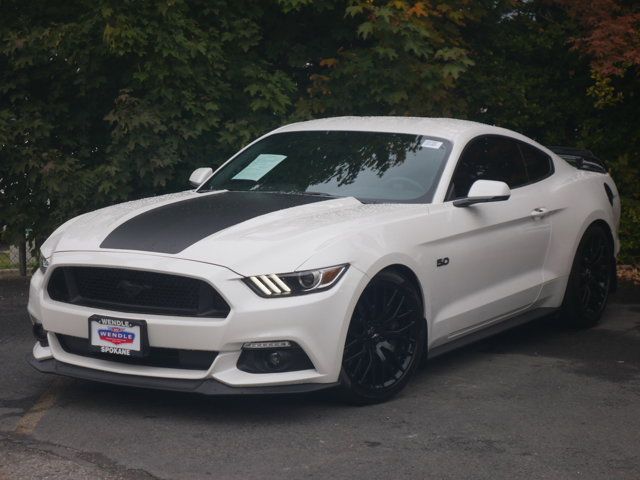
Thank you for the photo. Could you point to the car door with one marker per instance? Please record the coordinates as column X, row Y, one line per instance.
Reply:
column 494, row 251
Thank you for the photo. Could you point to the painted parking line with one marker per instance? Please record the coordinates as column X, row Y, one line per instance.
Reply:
column 30, row 420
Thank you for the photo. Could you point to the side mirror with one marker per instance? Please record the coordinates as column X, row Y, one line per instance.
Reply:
column 483, row 191
column 199, row 175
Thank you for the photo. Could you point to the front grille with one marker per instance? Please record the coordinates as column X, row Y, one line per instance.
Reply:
column 124, row 290
column 157, row 357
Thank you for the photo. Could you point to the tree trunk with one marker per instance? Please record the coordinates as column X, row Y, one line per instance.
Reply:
column 22, row 257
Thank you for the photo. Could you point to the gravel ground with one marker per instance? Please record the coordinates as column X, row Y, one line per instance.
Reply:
column 536, row 402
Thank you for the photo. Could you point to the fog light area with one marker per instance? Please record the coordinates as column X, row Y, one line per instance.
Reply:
column 273, row 357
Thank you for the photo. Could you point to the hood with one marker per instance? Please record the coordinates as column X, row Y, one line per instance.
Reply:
column 248, row 232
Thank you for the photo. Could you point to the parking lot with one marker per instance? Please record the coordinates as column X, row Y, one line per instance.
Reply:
column 537, row 402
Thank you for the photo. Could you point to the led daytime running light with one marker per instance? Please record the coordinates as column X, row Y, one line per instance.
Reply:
column 295, row 283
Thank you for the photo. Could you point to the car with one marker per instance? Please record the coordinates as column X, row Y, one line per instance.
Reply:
column 332, row 253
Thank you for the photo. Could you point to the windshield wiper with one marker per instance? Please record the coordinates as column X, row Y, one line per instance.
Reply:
column 321, row 194
column 290, row 192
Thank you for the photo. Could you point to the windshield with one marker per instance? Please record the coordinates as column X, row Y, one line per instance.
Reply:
column 371, row 166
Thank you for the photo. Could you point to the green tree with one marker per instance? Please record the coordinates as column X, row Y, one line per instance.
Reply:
column 102, row 101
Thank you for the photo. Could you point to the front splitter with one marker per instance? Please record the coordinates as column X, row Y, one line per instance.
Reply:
column 206, row 386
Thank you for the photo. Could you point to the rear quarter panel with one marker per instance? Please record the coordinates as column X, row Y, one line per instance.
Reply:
column 576, row 199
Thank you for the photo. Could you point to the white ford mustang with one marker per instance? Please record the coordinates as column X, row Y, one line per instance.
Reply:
column 333, row 252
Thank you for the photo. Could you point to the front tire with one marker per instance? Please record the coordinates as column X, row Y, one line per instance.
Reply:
column 590, row 279
column 384, row 342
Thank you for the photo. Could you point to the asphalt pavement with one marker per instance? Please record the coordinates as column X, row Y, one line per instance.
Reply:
column 538, row 402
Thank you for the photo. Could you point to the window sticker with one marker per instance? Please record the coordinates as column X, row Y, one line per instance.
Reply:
column 431, row 144
column 260, row 166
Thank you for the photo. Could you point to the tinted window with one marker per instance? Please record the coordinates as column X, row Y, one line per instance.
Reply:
column 537, row 163
column 367, row 165
column 488, row 158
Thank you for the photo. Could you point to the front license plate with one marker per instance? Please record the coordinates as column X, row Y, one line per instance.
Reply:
column 117, row 336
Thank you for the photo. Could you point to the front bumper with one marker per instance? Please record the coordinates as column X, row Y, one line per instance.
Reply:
column 206, row 386
column 316, row 322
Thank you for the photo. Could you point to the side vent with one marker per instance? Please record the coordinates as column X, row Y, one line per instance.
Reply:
column 610, row 196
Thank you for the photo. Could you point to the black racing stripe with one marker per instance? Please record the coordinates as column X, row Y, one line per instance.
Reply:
column 174, row 227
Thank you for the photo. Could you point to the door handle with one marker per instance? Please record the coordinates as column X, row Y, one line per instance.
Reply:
column 538, row 213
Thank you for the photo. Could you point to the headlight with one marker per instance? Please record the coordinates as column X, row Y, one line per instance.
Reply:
column 295, row 283
column 44, row 263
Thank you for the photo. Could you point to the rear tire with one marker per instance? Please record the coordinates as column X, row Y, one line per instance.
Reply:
column 590, row 279
column 384, row 342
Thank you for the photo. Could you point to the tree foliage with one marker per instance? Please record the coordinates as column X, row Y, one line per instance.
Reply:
column 105, row 100
column 609, row 36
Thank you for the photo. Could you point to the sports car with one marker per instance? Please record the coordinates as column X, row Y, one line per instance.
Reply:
column 332, row 253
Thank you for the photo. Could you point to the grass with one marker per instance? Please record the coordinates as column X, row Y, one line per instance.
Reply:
column 7, row 263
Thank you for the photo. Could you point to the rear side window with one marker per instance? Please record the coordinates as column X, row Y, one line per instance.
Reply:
column 504, row 159
column 488, row 158
column 537, row 163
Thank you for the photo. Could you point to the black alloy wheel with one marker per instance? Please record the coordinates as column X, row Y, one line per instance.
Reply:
column 590, row 280
column 385, row 340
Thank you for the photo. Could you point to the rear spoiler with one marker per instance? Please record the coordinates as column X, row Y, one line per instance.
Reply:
column 580, row 158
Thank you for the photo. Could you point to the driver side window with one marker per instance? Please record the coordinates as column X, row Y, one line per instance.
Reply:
column 488, row 158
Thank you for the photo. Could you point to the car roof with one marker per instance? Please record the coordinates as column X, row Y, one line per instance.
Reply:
column 448, row 128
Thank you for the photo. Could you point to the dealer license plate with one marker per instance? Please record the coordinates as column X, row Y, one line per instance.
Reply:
column 118, row 336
